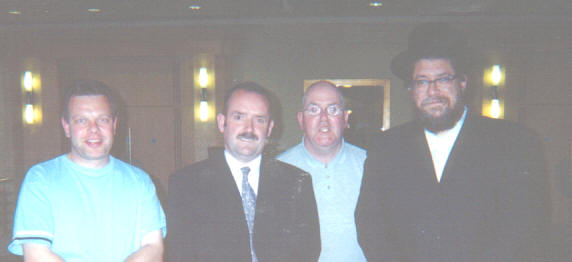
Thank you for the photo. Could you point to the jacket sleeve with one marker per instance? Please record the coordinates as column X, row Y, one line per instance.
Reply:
column 307, row 225
column 373, row 231
column 524, row 201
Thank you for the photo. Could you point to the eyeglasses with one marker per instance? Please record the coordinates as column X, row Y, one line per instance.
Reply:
column 331, row 110
column 443, row 81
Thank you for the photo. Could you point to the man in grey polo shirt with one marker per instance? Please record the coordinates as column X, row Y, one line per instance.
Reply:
column 336, row 168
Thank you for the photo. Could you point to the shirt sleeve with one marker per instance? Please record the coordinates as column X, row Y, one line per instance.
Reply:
column 33, row 219
column 152, row 215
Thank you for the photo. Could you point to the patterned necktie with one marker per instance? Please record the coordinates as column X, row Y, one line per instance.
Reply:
column 249, row 206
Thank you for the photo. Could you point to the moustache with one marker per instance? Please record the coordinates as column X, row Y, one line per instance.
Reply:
column 437, row 99
column 248, row 136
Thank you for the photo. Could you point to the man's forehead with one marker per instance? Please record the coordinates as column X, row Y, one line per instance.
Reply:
column 248, row 112
column 435, row 66
column 89, row 96
column 248, row 102
column 438, row 60
column 245, row 96
column 95, row 101
column 92, row 98
column 323, row 94
column 80, row 99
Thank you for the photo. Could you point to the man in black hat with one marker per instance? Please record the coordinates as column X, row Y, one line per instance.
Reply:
column 451, row 185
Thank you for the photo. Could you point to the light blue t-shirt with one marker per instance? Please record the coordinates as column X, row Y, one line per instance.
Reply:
column 86, row 214
column 336, row 188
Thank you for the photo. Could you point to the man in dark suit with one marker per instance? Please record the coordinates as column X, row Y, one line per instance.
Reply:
column 239, row 205
column 451, row 186
column 562, row 227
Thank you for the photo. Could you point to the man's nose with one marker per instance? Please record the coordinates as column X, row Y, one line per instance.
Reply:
column 323, row 115
column 433, row 88
column 93, row 126
column 249, row 125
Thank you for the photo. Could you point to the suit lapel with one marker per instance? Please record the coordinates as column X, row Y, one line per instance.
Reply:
column 229, row 192
column 422, row 156
column 262, row 198
column 223, row 175
column 464, row 151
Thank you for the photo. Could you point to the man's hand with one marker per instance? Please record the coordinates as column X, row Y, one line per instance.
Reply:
column 41, row 253
column 151, row 248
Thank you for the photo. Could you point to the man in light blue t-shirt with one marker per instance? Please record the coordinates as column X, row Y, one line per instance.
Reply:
column 87, row 205
column 336, row 168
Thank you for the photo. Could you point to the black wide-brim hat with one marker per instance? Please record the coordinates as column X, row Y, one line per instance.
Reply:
column 432, row 40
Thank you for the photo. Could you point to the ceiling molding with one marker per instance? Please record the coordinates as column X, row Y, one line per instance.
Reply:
column 531, row 19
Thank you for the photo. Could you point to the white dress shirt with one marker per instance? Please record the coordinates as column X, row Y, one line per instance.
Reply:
column 441, row 144
column 253, row 176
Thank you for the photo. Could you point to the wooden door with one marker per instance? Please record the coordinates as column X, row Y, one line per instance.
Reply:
column 148, row 126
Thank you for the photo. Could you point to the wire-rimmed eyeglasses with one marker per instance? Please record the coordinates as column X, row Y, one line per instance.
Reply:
column 331, row 110
column 443, row 81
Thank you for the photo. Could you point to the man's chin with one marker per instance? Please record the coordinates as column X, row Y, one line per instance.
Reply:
column 97, row 156
column 435, row 111
column 440, row 122
column 90, row 157
column 246, row 157
column 324, row 141
column 247, row 151
column 434, row 115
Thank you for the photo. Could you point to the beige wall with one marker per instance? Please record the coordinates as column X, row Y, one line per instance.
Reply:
column 279, row 56
column 537, row 56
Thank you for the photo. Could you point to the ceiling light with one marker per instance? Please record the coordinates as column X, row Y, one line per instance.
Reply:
column 14, row 12
column 94, row 10
column 375, row 4
column 194, row 7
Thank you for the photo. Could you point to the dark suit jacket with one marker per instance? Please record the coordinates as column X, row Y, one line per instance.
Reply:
column 206, row 220
column 492, row 203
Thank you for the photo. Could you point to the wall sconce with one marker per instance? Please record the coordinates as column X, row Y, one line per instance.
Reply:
column 203, row 77
column 204, row 106
column 203, row 83
column 493, row 106
column 31, row 113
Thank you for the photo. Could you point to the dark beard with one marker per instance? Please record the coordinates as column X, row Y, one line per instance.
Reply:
column 445, row 121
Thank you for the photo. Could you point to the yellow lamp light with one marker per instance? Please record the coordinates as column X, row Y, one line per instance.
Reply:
column 493, row 104
column 31, row 113
column 203, row 77
column 495, row 108
column 496, row 75
column 28, row 81
column 204, row 111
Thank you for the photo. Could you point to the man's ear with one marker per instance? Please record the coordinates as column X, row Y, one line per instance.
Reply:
column 463, row 82
column 410, row 91
column 301, row 120
column 66, row 127
column 270, row 126
column 114, row 125
column 220, row 120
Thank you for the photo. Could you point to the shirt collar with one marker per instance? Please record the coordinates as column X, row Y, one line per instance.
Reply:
column 315, row 163
column 235, row 165
column 442, row 143
column 93, row 172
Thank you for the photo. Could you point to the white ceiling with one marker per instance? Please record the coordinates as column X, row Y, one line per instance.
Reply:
column 75, row 12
